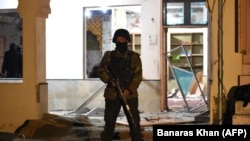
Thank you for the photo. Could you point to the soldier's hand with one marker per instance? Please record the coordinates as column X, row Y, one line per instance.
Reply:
column 126, row 93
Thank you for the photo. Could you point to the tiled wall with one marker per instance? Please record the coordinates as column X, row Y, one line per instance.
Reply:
column 71, row 94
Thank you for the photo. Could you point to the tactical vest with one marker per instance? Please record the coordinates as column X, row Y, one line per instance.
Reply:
column 122, row 68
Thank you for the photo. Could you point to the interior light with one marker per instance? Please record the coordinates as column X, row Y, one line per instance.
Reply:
column 87, row 13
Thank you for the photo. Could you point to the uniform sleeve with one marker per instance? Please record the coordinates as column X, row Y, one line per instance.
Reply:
column 103, row 67
column 137, row 78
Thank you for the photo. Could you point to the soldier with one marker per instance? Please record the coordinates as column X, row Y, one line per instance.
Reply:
column 127, row 68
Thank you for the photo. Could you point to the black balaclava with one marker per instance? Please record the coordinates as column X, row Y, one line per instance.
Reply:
column 121, row 47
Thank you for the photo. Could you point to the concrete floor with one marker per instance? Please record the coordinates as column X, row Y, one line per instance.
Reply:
column 178, row 114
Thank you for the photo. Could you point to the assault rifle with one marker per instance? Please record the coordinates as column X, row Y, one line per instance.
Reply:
column 125, row 105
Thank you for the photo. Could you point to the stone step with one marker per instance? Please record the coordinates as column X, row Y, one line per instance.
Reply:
column 239, row 109
column 241, row 119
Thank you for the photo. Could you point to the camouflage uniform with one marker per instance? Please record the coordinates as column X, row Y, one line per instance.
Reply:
column 113, row 103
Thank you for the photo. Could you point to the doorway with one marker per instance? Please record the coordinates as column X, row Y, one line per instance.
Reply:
column 187, row 67
column 185, row 23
